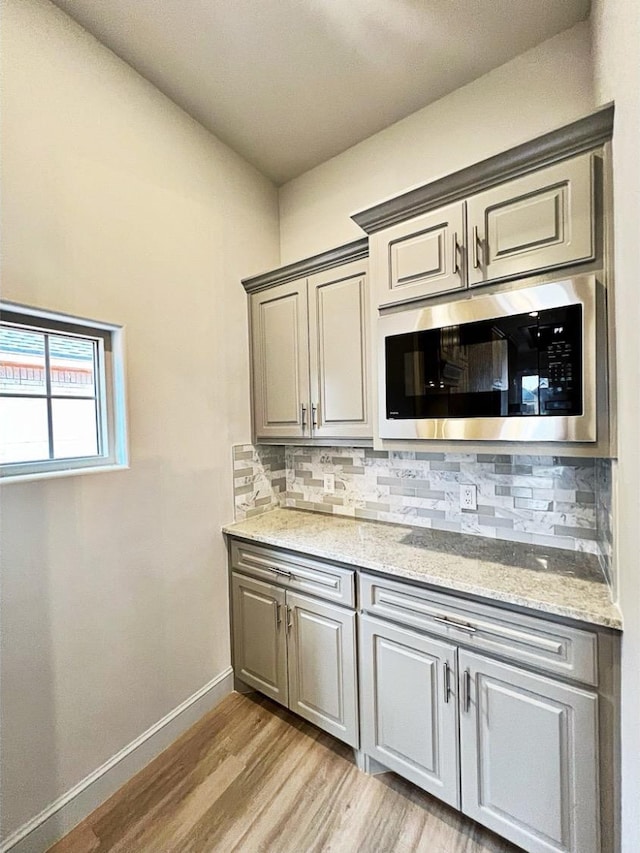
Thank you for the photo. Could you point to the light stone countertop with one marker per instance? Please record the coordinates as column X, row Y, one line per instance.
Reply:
column 550, row 580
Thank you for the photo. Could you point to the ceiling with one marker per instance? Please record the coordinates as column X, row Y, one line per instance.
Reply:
column 290, row 83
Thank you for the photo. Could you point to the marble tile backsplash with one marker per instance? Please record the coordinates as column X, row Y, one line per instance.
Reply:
column 560, row 502
column 259, row 479
column 604, row 515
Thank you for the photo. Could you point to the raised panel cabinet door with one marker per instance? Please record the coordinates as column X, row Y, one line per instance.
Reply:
column 409, row 706
column 529, row 757
column 280, row 357
column 421, row 257
column 260, row 636
column 322, row 666
column 539, row 221
column 338, row 353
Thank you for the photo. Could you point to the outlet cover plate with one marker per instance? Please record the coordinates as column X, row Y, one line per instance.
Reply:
column 468, row 496
column 329, row 483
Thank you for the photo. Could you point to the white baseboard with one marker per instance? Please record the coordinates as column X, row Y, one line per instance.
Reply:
column 42, row 831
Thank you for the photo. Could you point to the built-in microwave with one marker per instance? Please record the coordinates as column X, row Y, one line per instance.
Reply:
column 517, row 365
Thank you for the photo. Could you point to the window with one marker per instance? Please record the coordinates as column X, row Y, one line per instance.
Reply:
column 61, row 394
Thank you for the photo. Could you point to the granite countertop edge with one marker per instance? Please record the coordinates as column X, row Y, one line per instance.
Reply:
column 605, row 615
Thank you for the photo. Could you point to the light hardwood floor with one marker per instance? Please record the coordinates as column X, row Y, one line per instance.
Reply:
column 253, row 778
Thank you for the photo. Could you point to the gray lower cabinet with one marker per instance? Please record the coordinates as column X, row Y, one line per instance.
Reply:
column 260, row 636
column 299, row 651
column 506, row 716
column 322, row 665
column 514, row 749
column 528, row 756
column 409, row 706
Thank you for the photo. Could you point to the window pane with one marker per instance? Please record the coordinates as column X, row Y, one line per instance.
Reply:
column 75, row 431
column 21, row 362
column 23, row 430
column 72, row 364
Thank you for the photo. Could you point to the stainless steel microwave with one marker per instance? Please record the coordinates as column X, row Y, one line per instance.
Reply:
column 516, row 365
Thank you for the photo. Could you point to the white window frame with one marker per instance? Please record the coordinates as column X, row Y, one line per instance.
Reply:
column 110, row 391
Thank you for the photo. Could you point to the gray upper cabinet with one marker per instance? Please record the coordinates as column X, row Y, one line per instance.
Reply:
column 280, row 354
column 529, row 757
column 539, row 221
column 523, row 211
column 338, row 353
column 310, row 363
column 421, row 257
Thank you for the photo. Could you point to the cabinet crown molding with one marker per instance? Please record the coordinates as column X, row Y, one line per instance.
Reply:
column 354, row 251
column 572, row 139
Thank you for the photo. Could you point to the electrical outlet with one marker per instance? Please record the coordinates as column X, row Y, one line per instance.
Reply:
column 468, row 496
column 329, row 483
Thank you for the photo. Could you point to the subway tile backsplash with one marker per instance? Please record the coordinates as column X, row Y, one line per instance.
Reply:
column 559, row 502
column 259, row 479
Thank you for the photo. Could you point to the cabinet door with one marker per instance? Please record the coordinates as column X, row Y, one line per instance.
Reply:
column 259, row 636
column 338, row 353
column 322, row 666
column 536, row 222
column 529, row 757
column 280, row 354
column 409, row 706
column 421, row 257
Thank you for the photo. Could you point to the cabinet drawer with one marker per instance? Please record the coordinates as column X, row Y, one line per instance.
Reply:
column 548, row 646
column 295, row 571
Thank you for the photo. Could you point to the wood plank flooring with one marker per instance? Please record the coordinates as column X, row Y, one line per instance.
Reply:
column 253, row 778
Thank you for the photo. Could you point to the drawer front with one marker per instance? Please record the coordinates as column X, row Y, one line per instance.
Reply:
column 295, row 571
column 550, row 647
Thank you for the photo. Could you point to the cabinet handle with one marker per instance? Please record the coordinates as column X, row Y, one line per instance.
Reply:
column 466, row 690
column 447, row 682
column 281, row 572
column 456, row 248
column 303, row 415
column 289, row 619
column 278, row 614
column 475, row 243
column 452, row 623
column 314, row 415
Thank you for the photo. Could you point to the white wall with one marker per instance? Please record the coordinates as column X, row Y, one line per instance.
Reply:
column 538, row 91
column 117, row 206
column 616, row 50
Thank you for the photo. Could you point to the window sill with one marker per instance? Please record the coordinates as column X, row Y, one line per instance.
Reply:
column 68, row 472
